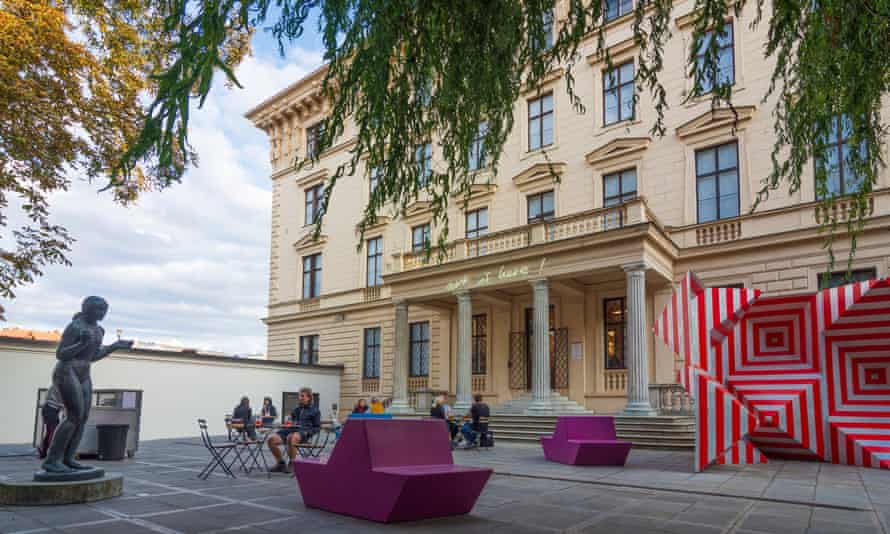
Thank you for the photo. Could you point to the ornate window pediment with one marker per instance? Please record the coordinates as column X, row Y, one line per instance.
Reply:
column 716, row 119
column 308, row 241
column 538, row 174
column 617, row 148
column 477, row 190
column 320, row 175
column 379, row 224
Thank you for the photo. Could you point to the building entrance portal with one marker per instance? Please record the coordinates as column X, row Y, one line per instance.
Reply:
column 521, row 357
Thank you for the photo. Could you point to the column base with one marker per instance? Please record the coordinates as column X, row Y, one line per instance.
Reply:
column 400, row 407
column 638, row 409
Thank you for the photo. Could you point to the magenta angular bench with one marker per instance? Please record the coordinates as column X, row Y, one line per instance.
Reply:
column 398, row 470
column 585, row 440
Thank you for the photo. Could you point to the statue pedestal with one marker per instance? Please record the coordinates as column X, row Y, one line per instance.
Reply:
column 27, row 492
column 71, row 476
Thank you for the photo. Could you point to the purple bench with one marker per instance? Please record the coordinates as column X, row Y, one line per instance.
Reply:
column 398, row 470
column 585, row 440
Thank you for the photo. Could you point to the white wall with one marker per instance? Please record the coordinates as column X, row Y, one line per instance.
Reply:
column 176, row 390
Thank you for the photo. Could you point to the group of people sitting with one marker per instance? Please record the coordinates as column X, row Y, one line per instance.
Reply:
column 374, row 406
column 471, row 429
column 304, row 423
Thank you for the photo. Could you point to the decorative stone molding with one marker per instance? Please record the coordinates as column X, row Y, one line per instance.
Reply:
column 308, row 243
column 616, row 50
column 313, row 178
column 617, row 148
column 548, row 78
column 377, row 227
column 538, row 173
column 716, row 119
column 477, row 191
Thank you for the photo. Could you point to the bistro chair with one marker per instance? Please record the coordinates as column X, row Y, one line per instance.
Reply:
column 218, row 453
column 313, row 447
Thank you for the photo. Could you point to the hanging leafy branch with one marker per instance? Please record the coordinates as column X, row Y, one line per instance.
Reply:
column 404, row 72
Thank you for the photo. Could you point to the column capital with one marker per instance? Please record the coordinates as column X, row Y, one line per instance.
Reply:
column 462, row 295
column 539, row 283
column 400, row 303
column 635, row 266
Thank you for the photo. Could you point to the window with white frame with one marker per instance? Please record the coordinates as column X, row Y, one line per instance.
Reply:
column 374, row 264
column 312, row 276
column 314, row 199
column 540, row 122
column 619, row 187
column 618, row 94
column 717, row 182
column 725, row 59
column 420, row 237
column 476, row 158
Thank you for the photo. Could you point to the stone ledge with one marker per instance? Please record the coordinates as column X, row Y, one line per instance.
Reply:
column 31, row 493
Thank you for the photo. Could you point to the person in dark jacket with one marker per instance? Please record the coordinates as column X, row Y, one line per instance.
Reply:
column 471, row 428
column 306, row 421
column 245, row 413
column 268, row 408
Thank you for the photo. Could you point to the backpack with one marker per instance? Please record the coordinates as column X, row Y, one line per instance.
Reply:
column 486, row 439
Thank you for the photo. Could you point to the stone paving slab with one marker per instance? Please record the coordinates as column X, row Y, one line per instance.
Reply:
column 655, row 493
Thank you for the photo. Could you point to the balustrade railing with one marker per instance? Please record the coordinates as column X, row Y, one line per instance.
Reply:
column 585, row 223
column 479, row 384
column 370, row 385
column 615, row 381
column 670, row 399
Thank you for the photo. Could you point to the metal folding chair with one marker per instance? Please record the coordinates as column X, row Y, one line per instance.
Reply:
column 218, row 453
column 315, row 446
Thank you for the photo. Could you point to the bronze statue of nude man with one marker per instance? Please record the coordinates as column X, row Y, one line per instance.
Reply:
column 80, row 346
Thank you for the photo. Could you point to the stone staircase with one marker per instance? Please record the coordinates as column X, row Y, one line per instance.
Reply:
column 519, row 406
column 671, row 432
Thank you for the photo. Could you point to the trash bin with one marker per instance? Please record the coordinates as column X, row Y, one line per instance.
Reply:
column 112, row 441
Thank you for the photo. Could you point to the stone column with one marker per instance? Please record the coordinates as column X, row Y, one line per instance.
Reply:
column 541, row 346
column 400, row 357
column 464, row 352
column 637, row 343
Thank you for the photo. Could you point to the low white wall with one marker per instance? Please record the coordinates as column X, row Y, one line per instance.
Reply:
column 177, row 389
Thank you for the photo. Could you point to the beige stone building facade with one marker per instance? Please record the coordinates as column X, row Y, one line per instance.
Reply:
column 548, row 296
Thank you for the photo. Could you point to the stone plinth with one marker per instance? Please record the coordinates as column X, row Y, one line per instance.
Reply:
column 30, row 492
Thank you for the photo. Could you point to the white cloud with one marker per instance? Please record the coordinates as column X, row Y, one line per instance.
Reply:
column 189, row 264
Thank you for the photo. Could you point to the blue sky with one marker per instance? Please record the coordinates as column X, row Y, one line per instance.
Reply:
column 188, row 265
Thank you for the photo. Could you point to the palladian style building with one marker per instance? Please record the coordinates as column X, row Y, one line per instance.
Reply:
column 546, row 299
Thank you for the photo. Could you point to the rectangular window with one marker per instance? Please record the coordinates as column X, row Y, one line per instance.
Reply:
column 423, row 155
column 313, row 139
column 614, row 326
column 314, row 198
column 420, row 348
column 371, row 367
column 617, row 8
column 540, row 122
column 619, row 187
column 618, row 94
column 309, row 349
column 373, row 178
column 476, row 158
column 717, row 182
column 540, row 207
column 837, row 161
column 312, row 276
column 725, row 59
column 480, row 344
column 477, row 223
column 375, row 262
column 839, row 278
column 548, row 31
column 420, row 238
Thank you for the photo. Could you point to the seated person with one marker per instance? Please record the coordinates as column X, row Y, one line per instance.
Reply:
column 376, row 406
column 442, row 410
column 306, row 420
column 268, row 409
column 244, row 412
column 471, row 429
column 360, row 407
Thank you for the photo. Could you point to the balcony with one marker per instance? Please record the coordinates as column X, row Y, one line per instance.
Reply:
column 580, row 224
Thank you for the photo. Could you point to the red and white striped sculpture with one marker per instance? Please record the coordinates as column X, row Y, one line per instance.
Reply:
column 802, row 376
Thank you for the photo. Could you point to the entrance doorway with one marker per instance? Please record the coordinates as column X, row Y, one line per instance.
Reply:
column 529, row 342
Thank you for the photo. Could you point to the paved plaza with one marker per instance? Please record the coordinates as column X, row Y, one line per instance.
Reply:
column 655, row 492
